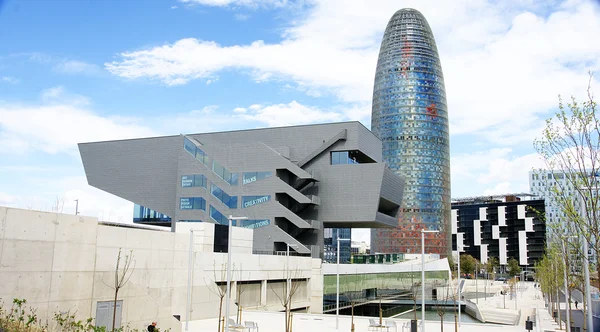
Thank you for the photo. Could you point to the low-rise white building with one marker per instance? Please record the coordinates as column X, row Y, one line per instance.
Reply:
column 60, row 262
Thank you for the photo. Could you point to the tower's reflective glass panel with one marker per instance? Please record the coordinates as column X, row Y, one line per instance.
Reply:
column 410, row 116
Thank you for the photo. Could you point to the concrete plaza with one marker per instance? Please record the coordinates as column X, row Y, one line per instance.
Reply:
column 529, row 301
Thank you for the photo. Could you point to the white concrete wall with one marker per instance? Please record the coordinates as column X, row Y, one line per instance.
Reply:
column 64, row 262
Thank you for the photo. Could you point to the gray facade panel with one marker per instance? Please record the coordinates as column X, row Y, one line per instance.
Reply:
column 300, row 205
column 139, row 170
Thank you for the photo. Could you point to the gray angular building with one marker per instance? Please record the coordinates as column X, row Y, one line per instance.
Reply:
column 291, row 182
column 410, row 116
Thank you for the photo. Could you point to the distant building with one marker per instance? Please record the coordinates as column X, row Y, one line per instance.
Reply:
column 410, row 116
column 290, row 182
column 330, row 245
column 360, row 247
column 485, row 228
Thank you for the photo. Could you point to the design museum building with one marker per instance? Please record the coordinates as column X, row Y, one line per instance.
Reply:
column 289, row 182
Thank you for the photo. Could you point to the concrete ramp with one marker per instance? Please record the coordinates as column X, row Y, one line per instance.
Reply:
column 500, row 316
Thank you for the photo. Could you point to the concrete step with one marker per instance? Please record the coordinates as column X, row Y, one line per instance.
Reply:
column 505, row 317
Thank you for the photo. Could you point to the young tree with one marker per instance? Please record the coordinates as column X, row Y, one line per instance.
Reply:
column 290, row 288
column 491, row 265
column 440, row 302
column 467, row 264
column 355, row 293
column 122, row 275
column 513, row 267
column 570, row 144
column 219, row 290
column 240, row 288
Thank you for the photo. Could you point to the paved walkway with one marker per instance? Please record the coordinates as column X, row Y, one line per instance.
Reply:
column 529, row 299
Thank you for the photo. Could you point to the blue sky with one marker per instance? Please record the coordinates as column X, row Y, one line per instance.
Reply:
column 77, row 71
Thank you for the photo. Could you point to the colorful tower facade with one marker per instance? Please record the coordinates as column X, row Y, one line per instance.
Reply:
column 410, row 116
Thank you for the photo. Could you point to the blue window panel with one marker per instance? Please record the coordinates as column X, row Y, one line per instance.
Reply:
column 192, row 203
column 233, row 202
column 141, row 214
column 250, row 177
column 335, row 158
column 233, row 179
column 186, row 203
column 223, row 173
column 198, row 220
column 217, row 169
column 187, row 181
column 199, row 203
column 218, row 217
column 229, row 201
column 189, row 146
column 201, row 156
column 200, row 180
column 197, row 180
column 248, row 201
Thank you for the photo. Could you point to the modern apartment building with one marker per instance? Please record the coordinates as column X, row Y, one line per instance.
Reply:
column 290, row 182
column 410, row 116
column 485, row 228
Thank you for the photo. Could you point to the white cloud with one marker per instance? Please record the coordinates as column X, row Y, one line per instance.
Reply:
column 75, row 67
column 245, row 3
column 503, row 63
column 239, row 110
column 58, row 124
column 63, row 191
column 9, row 79
column 241, row 17
column 59, row 95
column 292, row 113
column 493, row 171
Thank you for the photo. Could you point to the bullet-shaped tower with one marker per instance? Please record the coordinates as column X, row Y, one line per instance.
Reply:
column 410, row 116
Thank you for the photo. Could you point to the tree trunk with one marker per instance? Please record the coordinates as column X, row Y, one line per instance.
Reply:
column 220, row 312
column 115, row 309
column 441, row 323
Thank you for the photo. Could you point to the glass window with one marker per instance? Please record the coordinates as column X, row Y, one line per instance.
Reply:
column 186, row 203
column 189, row 146
column 335, row 158
column 187, row 181
column 197, row 180
column 250, row 177
column 200, row 180
column 199, row 203
column 192, row 203
column 217, row 168
column 198, row 220
column 223, row 173
column 248, row 201
column 201, row 156
column 229, row 201
column 218, row 217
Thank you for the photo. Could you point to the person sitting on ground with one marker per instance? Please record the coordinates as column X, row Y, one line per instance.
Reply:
column 151, row 327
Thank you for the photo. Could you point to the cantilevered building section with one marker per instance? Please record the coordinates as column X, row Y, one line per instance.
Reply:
column 410, row 117
column 290, row 182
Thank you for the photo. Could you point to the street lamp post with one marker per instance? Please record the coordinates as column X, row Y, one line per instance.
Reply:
column 189, row 285
column 231, row 218
column 423, row 231
column 337, row 292
column 586, row 270
column 458, row 286
column 568, row 326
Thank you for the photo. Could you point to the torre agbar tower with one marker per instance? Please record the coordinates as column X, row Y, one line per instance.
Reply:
column 410, row 116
